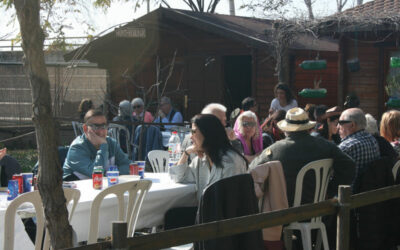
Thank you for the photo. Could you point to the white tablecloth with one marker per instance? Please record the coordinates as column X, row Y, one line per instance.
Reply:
column 163, row 195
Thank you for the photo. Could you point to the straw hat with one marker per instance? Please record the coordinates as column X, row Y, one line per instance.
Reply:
column 296, row 120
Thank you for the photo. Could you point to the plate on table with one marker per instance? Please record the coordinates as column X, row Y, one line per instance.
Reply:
column 126, row 178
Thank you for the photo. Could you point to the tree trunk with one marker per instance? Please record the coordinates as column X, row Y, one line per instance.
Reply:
column 309, row 8
column 50, row 172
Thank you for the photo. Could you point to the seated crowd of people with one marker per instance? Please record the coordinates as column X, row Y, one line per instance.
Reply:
column 290, row 134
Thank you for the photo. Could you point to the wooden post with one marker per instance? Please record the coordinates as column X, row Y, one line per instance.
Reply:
column 119, row 234
column 343, row 218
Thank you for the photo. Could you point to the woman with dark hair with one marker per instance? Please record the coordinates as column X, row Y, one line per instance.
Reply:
column 84, row 106
column 216, row 158
column 328, row 126
column 284, row 99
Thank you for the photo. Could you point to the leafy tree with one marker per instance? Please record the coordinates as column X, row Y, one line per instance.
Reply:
column 34, row 26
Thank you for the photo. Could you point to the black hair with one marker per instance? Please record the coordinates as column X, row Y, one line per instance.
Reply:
column 92, row 113
column 248, row 103
column 288, row 92
column 216, row 142
column 85, row 106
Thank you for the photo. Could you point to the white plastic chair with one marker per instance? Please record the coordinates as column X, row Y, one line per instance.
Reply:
column 159, row 160
column 136, row 190
column 323, row 171
column 114, row 131
column 35, row 199
column 71, row 195
column 395, row 169
column 78, row 129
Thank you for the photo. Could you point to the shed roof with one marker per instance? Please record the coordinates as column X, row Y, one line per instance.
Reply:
column 377, row 7
column 254, row 32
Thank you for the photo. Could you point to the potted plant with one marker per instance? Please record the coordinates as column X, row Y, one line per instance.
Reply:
column 393, row 90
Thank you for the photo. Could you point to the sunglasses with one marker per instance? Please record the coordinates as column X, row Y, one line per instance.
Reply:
column 249, row 124
column 137, row 106
column 95, row 126
column 341, row 122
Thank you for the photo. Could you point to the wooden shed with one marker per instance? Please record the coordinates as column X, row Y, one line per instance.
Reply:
column 369, row 32
column 198, row 58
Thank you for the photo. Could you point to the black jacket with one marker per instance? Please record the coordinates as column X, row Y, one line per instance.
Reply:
column 228, row 198
column 375, row 226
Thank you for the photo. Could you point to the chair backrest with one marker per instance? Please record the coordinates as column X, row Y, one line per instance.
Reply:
column 322, row 170
column 159, row 160
column 9, row 219
column 114, row 131
column 227, row 198
column 395, row 169
column 70, row 195
column 136, row 192
column 35, row 199
column 78, row 129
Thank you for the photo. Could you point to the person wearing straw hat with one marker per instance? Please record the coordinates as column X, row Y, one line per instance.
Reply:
column 300, row 148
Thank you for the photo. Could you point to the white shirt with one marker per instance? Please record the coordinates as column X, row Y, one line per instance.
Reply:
column 276, row 106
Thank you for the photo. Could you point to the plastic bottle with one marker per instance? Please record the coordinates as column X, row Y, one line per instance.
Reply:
column 174, row 147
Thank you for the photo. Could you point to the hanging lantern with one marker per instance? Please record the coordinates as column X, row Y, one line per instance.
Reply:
column 353, row 65
column 313, row 64
column 395, row 62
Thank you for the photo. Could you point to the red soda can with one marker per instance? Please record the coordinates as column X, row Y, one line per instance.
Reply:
column 20, row 182
column 34, row 182
column 97, row 177
column 134, row 169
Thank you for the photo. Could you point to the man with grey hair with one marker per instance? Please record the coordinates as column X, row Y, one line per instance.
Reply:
column 167, row 114
column 219, row 111
column 361, row 146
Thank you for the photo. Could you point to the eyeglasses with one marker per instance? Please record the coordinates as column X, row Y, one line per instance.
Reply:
column 342, row 122
column 95, row 126
column 137, row 106
column 249, row 124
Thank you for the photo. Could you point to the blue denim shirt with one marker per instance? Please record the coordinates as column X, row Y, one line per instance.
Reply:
column 83, row 156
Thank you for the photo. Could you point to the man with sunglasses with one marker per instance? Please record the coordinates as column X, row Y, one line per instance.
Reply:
column 93, row 148
column 360, row 145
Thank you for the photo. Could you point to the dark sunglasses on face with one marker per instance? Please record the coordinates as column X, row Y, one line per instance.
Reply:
column 341, row 122
column 137, row 106
column 249, row 124
column 95, row 126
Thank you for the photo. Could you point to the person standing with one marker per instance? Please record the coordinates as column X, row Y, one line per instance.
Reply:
column 284, row 99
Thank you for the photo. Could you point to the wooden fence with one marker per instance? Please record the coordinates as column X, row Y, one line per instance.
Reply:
column 212, row 230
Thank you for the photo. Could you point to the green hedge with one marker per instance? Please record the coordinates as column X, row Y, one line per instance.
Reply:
column 27, row 158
